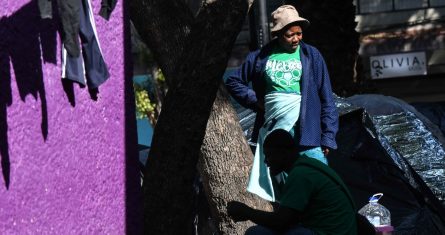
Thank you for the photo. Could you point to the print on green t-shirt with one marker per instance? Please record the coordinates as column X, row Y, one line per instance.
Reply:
column 283, row 71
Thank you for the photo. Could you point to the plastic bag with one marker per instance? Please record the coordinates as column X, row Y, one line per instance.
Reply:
column 377, row 214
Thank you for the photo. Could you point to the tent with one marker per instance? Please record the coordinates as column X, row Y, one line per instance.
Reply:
column 386, row 146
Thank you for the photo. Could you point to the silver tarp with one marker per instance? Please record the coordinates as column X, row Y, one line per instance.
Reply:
column 408, row 137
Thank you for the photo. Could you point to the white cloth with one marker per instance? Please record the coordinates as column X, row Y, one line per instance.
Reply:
column 281, row 112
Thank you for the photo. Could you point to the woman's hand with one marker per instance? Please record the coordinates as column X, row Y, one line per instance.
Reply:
column 325, row 151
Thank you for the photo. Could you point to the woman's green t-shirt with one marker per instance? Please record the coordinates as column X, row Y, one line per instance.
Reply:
column 283, row 71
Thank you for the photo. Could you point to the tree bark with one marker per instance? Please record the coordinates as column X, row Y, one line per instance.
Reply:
column 225, row 163
column 195, row 69
column 165, row 27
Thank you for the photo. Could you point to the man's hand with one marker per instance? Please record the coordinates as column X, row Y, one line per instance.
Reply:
column 238, row 211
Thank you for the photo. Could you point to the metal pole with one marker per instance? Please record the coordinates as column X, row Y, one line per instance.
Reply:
column 263, row 34
column 253, row 28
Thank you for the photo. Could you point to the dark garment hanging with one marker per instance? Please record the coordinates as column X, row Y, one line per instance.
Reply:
column 46, row 9
column 93, row 62
column 107, row 6
column 69, row 16
column 76, row 21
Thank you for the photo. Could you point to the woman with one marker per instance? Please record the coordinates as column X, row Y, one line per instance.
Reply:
column 290, row 90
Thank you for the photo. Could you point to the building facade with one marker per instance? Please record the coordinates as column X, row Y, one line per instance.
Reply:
column 403, row 47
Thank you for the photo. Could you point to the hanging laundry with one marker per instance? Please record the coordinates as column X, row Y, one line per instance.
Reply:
column 107, row 6
column 46, row 9
column 93, row 64
column 69, row 13
column 78, row 22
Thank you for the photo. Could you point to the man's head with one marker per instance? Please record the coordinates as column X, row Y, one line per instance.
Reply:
column 280, row 151
column 288, row 27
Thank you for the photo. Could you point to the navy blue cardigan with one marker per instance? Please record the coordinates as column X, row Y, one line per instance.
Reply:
column 318, row 122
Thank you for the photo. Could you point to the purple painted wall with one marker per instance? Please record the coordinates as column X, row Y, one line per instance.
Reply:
column 67, row 159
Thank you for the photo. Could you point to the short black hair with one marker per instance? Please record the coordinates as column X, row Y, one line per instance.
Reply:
column 279, row 138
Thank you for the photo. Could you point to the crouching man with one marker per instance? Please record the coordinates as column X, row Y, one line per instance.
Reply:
column 314, row 200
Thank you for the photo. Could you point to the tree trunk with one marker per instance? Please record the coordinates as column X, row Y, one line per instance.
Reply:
column 225, row 165
column 162, row 25
column 197, row 63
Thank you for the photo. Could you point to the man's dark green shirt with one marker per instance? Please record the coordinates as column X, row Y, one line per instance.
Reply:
column 323, row 203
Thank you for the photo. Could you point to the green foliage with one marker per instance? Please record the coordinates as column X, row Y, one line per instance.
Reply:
column 160, row 76
column 144, row 106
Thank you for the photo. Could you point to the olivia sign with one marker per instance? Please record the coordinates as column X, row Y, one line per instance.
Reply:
column 398, row 65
